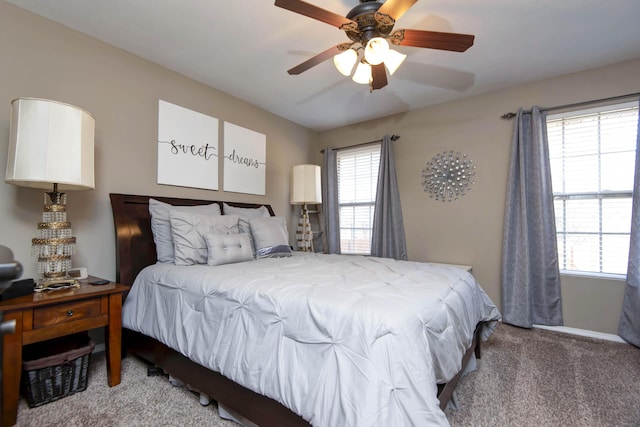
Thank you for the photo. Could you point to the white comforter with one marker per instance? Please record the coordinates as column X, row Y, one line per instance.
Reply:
column 340, row 340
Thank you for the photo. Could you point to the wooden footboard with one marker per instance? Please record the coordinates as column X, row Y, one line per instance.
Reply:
column 445, row 391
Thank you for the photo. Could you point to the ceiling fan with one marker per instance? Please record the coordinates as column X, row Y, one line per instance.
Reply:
column 369, row 26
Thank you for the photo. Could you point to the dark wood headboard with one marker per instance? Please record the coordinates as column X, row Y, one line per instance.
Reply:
column 135, row 248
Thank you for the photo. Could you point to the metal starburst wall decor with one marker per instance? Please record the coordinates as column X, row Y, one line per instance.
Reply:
column 448, row 176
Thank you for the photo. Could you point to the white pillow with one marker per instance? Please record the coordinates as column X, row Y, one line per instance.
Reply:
column 262, row 211
column 228, row 248
column 270, row 236
column 188, row 231
column 161, row 225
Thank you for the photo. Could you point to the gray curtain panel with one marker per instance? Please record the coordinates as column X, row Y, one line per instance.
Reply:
column 388, row 239
column 530, row 275
column 330, row 201
column 629, row 326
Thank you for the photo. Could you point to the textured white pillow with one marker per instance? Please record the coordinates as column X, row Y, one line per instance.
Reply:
column 270, row 236
column 161, row 225
column 188, row 231
column 228, row 248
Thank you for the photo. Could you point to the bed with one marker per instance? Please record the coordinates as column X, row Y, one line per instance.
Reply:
column 309, row 339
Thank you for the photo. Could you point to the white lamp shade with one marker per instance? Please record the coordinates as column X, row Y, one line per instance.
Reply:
column 50, row 142
column 394, row 60
column 345, row 61
column 362, row 74
column 305, row 184
column 376, row 50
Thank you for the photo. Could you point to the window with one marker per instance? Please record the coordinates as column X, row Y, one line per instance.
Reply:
column 592, row 155
column 357, row 184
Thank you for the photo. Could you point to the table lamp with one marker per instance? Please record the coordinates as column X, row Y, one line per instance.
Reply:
column 51, row 147
column 305, row 188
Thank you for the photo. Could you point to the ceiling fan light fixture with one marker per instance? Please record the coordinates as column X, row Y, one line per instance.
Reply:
column 362, row 74
column 376, row 50
column 394, row 60
column 345, row 61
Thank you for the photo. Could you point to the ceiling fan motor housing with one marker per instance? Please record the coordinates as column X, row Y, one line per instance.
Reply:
column 368, row 28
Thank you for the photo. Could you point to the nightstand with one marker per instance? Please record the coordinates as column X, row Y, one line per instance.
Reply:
column 52, row 314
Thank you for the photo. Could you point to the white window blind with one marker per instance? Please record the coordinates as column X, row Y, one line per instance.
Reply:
column 357, row 183
column 592, row 154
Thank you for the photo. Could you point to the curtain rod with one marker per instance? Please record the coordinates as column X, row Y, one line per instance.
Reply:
column 510, row 115
column 393, row 138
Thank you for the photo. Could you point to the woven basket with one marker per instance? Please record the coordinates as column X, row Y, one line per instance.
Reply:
column 59, row 368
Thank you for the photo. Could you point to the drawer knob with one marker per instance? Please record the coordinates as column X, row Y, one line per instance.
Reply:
column 69, row 313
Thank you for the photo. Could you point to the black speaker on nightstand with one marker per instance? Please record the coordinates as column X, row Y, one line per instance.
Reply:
column 18, row 288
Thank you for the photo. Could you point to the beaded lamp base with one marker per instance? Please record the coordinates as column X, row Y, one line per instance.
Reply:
column 55, row 245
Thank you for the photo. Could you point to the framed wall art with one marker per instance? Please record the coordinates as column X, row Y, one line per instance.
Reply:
column 187, row 147
column 245, row 160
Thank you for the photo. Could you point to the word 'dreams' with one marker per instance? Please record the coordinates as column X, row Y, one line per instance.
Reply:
column 239, row 160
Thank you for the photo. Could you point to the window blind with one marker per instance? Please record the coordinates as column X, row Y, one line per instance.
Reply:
column 592, row 155
column 357, row 170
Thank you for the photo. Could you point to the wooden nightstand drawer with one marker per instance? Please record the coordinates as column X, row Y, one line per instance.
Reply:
column 65, row 313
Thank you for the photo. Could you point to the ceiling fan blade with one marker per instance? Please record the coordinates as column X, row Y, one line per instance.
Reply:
column 321, row 57
column 315, row 12
column 378, row 76
column 432, row 40
column 392, row 10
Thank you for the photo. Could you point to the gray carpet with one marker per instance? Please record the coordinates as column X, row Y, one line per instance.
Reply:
column 138, row 400
column 533, row 377
column 525, row 378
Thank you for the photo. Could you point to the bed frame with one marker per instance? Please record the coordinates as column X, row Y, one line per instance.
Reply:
column 135, row 250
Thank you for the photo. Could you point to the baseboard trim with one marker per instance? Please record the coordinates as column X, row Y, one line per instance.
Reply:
column 582, row 332
column 98, row 348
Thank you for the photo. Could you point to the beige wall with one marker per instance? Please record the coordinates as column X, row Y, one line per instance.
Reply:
column 45, row 60
column 469, row 231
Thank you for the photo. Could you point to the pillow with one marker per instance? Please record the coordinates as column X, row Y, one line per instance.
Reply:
column 270, row 236
column 228, row 248
column 161, row 225
column 188, row 231
column 244, row 214
column 262, row 211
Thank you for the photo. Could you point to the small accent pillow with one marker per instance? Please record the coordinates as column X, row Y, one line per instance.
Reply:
column 228, row 248
column 161, row 225
column 188, row 231
column 270, row 236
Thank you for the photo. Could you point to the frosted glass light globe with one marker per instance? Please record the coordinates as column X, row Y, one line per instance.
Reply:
column 376, row 51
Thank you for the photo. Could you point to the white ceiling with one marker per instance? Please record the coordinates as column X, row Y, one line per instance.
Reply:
column 245, row 47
